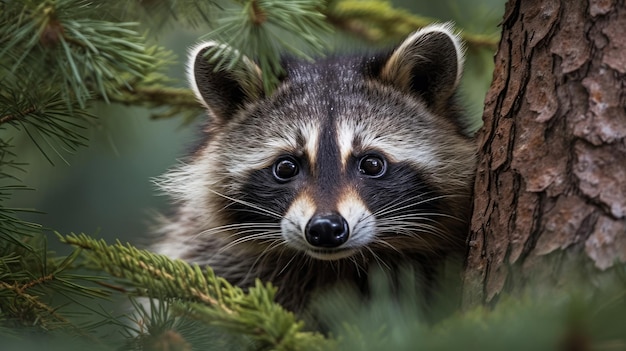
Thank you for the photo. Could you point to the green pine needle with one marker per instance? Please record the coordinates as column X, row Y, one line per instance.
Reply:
column 160, row 15
column 380, row 22
column 44, row 117
column 263, row 30
column 68, row 40
column 30, row 275
column 12, row 228
column 197, row 292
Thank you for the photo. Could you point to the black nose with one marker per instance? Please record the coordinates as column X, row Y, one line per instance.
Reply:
column 327, row 230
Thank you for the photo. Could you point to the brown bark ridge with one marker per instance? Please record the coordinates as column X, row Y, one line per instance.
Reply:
column 551, row 181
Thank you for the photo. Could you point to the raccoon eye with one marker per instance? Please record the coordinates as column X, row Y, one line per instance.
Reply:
column 285, row 168
column 372, row 166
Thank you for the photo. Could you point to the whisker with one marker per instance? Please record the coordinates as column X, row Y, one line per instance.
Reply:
column 358, row 267
column 378, row 260
column 402, row 200
column 384, row 242
column 406, row 225
column 418, row 234
column 416, row 221
column 424, row 216
column 274, row 230
column 293, row 257
column 267, row 236
column 260, row 209
column 233, row 227
column 413, row 231
column 249, row 204
column 396, row 207
column 262, row 256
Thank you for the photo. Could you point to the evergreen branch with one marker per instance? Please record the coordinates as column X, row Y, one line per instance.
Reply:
column 154, row 327
column 535, row 320
column 44, row 116
column 263, row 30
column 158, row 15
column 28, row 275
column 12, row 229
column 154, row 91
column 7, row 160
column 27, row 302
column 199, row 293
column 177, row 100
column 378, row 21
column 108, row 52
column 64, row 38
column 11, row 117
column 21, row 288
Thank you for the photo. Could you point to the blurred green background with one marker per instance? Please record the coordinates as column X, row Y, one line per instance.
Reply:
column 106, row 188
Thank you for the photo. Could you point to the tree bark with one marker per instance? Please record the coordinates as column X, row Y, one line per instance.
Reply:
column 550, row 191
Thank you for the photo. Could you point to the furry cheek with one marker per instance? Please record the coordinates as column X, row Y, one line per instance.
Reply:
column 293, row 223
column 360, row 220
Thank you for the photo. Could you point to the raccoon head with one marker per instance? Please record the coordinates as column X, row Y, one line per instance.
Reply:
column 350, row 155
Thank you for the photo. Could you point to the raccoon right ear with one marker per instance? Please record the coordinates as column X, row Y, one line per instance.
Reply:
column 428, row 63
column 220, row 89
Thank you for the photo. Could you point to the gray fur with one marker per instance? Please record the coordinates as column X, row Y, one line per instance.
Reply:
column 400, row 105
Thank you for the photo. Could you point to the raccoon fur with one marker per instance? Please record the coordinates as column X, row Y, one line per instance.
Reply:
column 354, row 163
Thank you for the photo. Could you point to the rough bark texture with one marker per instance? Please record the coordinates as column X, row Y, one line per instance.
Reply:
column 551, row 180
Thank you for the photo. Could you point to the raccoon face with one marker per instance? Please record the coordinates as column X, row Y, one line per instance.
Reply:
column 350, row 156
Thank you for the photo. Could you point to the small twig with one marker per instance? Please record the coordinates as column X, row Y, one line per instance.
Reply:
column 194, row 292
column 157, row 96
column 19, row 291
column 11, row 117
column 36, row 282
column 376, row 21
column 113, row 287
column 257, row 14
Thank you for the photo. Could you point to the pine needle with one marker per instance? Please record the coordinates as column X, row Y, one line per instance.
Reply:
column 198, row 293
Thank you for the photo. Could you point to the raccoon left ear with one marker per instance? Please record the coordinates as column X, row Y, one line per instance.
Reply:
column 428, row 63
column 223, row 88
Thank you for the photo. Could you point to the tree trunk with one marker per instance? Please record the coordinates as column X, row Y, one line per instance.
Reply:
column 550, row 188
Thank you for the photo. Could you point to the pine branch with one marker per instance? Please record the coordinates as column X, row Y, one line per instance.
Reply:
column 199, row 293
column 263, row 30
column 27, row 302
column 28, row 275
column 175, row 101
column 378, row 22
column 13, row 229
column 154, row 91
column 14, row 116
column 44, row 116
column 159, row 15
column 65, row 39
column 580, row 317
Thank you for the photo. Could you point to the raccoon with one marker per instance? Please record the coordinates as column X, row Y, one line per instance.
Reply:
column 354, row 163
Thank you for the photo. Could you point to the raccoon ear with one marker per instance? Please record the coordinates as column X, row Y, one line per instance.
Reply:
column 428, row 63
column 223, row 90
